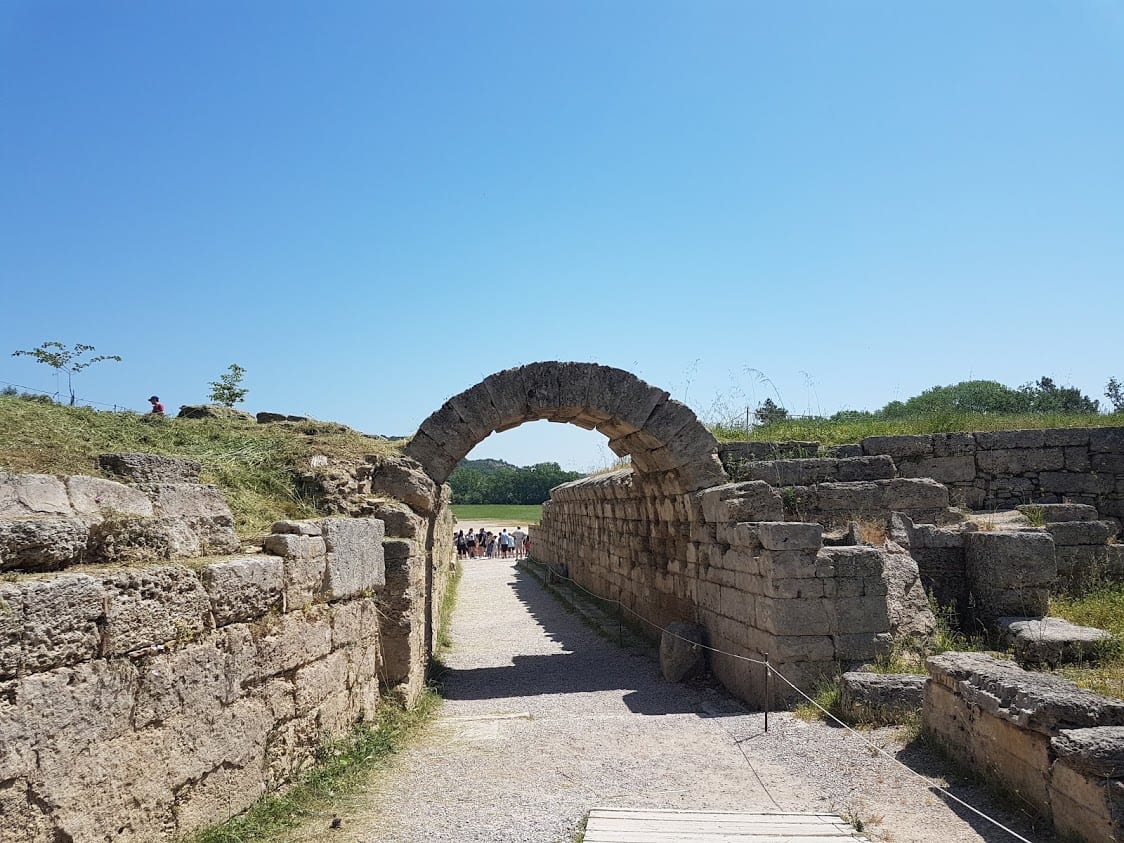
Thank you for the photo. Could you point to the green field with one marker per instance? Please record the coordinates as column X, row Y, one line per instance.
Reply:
column 502, row 514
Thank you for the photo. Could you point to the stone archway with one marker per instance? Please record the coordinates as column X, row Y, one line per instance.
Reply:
column 662, row 436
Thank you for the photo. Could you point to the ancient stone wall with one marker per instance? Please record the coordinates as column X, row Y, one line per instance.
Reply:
column 1002, row 469
column 157, row 676
column 1057, row 748
column 725, row 559
column 141, row 702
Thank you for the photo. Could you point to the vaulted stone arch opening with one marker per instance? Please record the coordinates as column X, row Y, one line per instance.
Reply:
column 663, row 437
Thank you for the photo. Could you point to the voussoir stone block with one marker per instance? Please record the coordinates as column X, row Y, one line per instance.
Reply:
column 243, row 589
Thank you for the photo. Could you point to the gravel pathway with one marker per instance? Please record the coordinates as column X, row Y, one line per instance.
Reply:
column 545, row 719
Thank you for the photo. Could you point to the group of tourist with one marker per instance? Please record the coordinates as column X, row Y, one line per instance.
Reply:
column 484, row 544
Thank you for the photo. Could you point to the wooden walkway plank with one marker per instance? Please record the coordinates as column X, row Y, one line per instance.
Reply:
column 644, row 825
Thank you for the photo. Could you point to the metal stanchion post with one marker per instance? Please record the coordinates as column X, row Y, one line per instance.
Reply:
column 766, row 692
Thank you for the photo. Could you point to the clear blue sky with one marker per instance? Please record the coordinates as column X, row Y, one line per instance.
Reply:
column 371, row 206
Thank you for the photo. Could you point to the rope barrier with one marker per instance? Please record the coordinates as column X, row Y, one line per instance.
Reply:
column 770, row 669
column 56, row 395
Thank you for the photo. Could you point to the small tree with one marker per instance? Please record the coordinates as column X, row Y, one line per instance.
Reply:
column 768, row 412
column 227, row 390
column 1114, row 392
column 63, row 359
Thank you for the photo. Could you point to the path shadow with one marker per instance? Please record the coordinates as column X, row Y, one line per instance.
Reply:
column 592, row 664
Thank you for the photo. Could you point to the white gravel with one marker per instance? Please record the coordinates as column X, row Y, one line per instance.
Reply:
column 544, row 719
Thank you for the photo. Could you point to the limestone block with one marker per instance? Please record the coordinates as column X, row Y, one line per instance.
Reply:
column 1017, row 461
column 64, row 712
column 11, row 630
column 296, row 528
column 881, row 697
column 400, row 521
column 151, row 468
column 1097, row 750
column 214, row 411
column 22, row 815
column 33, row 494
column 1039, row 702
column 245, row 588
column 782, row 535
column 303, row 581
column 858, row 467
column 353, row 621
column 899, row 446
column 404, row 480
column 906, row 494
column 191, row 682
column 355, row 560
column 907, row 604
column 185, row 500
column 1074, row 483
column 152, row 606
column 222, row 793
column 294, row 547
column 953, row 444
column 861, row 614
column 1011, row 573
column 862, row 646
column 1081, row 532
column 42, row 544
column 1055, row 513
column 95, row 496
column 949, row 469
column 681, row 657
column 796, row 617
column 1051, row 641
column 129, row 539
column 853, row 562
column 319, row 679
column 292, row 640
column 1008, row 439
column 60, row 621
column 1106, row 439
column 857, row 497
column 1084, row 806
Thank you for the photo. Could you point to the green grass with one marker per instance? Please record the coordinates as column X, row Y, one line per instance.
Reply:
column 841, row 432
column 1103, row 608
column 254, row 464
column 504, row 515
column 341, row 766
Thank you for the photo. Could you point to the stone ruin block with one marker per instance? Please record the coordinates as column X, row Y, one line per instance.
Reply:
column 1086, row 787
column 355, row 560
column 151, row 468
column 1055, row 513
column 881, row 697
column 42, row 544
column 1052, row 641
column 33, row 495
column 152, row 606
column 1010, row 573
column 244, row 589
column 93, row 496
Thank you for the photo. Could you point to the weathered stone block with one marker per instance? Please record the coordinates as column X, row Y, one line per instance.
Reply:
column 1055, row 513
column 1004, row 462
column 880, row 467
column 1081, row 532
column 244, row 589
column 1011, row 573
column 296, row 528
column 404, row 480
column 950, row 469
column 783, row 535
column 152, row 606
column 33, row 494
column 1005, row 439
column 42, row 544
column 1106, row 439
column 899, row 446
column 294, row 546
column 881, row 697
column 915, row 494
column 95, row 496
column 60, row 621
column 151, row 468
column 355, row 561
column 11, row 630
column 681, row 655
column 1051, row 641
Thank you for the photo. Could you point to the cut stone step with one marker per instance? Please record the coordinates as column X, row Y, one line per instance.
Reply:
column 1052, row 641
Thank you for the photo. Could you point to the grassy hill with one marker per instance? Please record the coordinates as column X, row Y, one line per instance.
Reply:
column 842, row 431
column 254, row 464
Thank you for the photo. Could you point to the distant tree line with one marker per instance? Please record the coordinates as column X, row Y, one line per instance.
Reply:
column 494, row 481
column 1041, row 396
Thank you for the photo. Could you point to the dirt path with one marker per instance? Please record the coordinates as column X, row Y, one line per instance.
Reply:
column 544, row 719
